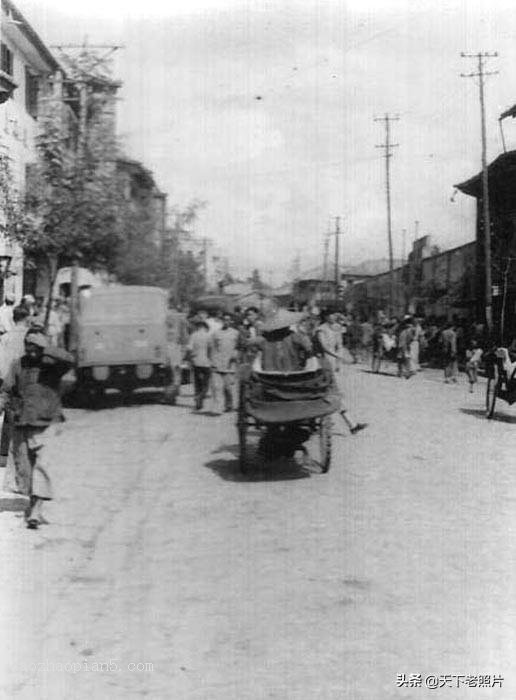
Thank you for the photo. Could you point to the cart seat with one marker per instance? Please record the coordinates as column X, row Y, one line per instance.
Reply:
column 312, row 365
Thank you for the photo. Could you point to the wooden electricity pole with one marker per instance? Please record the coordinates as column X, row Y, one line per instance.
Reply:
column 84, row 64
column 74, row 275
column 387, row 119
column 337, row 272
column 327, row 236
column 326, row 254
column 488, row 286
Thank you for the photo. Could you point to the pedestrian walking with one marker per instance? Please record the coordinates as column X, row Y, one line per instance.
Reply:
column 177, row 340
column 473, row 357
column 326, row 335
column 449, row 351
column 12, row 349
column 354, row 339
column 198, row 352
column 377, row 347
column 415, row 345
column 404, row 356
column 32, row 396
column 367, row 340
column 326, row 354
column 224, row 358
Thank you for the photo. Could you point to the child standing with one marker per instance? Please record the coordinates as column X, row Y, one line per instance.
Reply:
column 473, row 357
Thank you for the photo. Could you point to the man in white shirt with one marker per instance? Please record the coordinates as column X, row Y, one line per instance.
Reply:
column 6, row 314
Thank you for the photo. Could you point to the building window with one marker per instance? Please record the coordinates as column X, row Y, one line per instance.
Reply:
column 31, row 93
column 6, row 61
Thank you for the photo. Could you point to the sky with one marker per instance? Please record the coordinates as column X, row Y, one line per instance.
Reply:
column 266, row 111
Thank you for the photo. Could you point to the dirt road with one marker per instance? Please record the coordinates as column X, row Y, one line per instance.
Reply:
column 164, row 573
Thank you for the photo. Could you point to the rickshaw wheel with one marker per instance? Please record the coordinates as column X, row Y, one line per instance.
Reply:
column 492, row 387
column 325, row 428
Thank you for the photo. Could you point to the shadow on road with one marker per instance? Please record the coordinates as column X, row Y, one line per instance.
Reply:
column 381, row 374
column 258, row 468
column 115, row 399
column 480, row 413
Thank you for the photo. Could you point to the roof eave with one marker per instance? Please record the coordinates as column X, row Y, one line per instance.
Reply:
column 33, row 37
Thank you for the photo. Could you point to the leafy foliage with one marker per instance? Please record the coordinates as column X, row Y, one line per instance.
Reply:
column 73, row 196
column 76, row 207
column 141, row 260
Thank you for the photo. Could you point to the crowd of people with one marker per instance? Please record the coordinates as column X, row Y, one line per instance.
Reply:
column 214, row 344
column 220, row 341
column 284, row 341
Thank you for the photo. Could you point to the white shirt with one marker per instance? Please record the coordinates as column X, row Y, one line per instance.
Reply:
column 6, row 318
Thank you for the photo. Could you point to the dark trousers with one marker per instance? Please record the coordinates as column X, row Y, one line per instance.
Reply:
column 5, row 439
column 201, row 377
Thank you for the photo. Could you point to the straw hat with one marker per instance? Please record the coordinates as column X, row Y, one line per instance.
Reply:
column 281, row 319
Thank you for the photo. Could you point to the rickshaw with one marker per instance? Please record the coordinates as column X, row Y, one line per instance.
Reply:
column 499, row 384
column 287, row 409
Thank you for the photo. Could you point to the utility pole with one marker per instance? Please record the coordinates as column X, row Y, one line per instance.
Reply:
column 74, row 275
column 337, row 272
column 326, row 254
column 84, row 63
column 488, row 286
column 327, row 236
column 387, row 119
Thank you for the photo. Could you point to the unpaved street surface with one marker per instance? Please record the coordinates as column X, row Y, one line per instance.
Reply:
column 286, row 584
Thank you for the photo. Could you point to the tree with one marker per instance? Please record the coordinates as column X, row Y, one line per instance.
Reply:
column 73, row 197
column 141, row 261
column 190, row 280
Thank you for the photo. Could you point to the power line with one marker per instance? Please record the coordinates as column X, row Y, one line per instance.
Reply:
column 387, row 146
column 481, row 75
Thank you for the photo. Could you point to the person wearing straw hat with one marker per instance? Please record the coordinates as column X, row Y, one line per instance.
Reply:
column 33, row 400
column 283, row 347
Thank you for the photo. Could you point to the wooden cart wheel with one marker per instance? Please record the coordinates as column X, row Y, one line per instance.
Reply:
column 242, row 427
column 325, row 428
column 493, row 384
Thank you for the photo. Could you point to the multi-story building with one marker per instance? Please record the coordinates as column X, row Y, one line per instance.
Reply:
column 27, row 70
column 441, row 284
column 145, row 200
column 502, row 206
